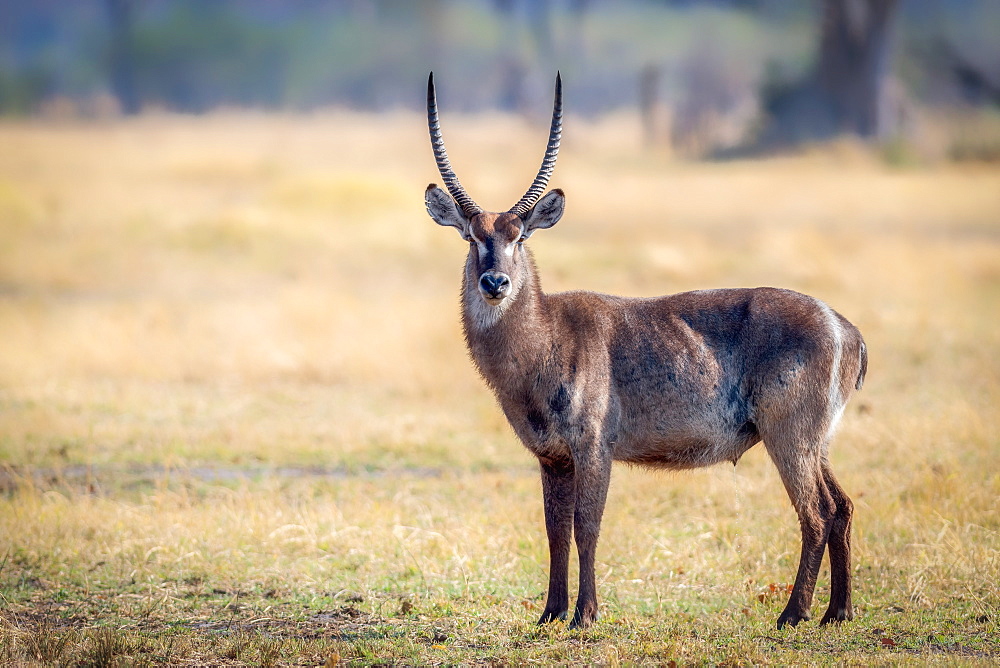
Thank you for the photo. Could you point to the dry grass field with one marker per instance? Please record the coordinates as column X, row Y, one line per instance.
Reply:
column 238, row 424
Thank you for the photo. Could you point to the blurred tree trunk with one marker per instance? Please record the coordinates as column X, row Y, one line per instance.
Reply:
column 848, row 91
column 122, row 55
column 512, row 72
column 853, row 62
column 540, row 25
column 649, row 103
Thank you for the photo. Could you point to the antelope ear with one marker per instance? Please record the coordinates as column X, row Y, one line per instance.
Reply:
column 443, row 209
column 546, row 213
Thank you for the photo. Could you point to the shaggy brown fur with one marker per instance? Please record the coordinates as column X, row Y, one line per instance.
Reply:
column 675, row 382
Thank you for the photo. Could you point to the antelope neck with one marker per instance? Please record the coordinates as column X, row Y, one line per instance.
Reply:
column 519, row 319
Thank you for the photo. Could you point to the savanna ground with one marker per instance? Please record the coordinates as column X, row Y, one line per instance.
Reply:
column 238, row 423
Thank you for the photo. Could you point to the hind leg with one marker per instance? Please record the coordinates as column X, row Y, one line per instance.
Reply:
column 840, row 551
column 799, row 465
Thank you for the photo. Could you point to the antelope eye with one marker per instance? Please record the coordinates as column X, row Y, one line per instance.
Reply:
column 522, row 239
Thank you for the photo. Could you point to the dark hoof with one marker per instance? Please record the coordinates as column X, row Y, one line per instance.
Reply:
column 791, row 618
column 552, row 616
column 837, row 616
column 582, row 620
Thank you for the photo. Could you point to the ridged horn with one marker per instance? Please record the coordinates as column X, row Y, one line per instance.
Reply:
column 549, row 161
column 469, row 208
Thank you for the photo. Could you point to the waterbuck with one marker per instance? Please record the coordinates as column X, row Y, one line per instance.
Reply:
column 674, row 382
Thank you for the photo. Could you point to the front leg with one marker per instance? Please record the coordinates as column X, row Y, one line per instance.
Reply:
column 559, row 498
column 593, row 475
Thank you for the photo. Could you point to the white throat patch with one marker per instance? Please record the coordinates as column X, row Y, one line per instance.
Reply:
column 483, row 315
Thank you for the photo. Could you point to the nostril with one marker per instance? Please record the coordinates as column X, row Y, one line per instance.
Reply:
column 494, row 284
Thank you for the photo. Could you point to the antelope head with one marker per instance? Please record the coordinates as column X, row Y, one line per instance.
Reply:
column 496, row 252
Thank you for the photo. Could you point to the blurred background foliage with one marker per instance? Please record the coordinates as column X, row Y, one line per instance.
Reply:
column 708, row 76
